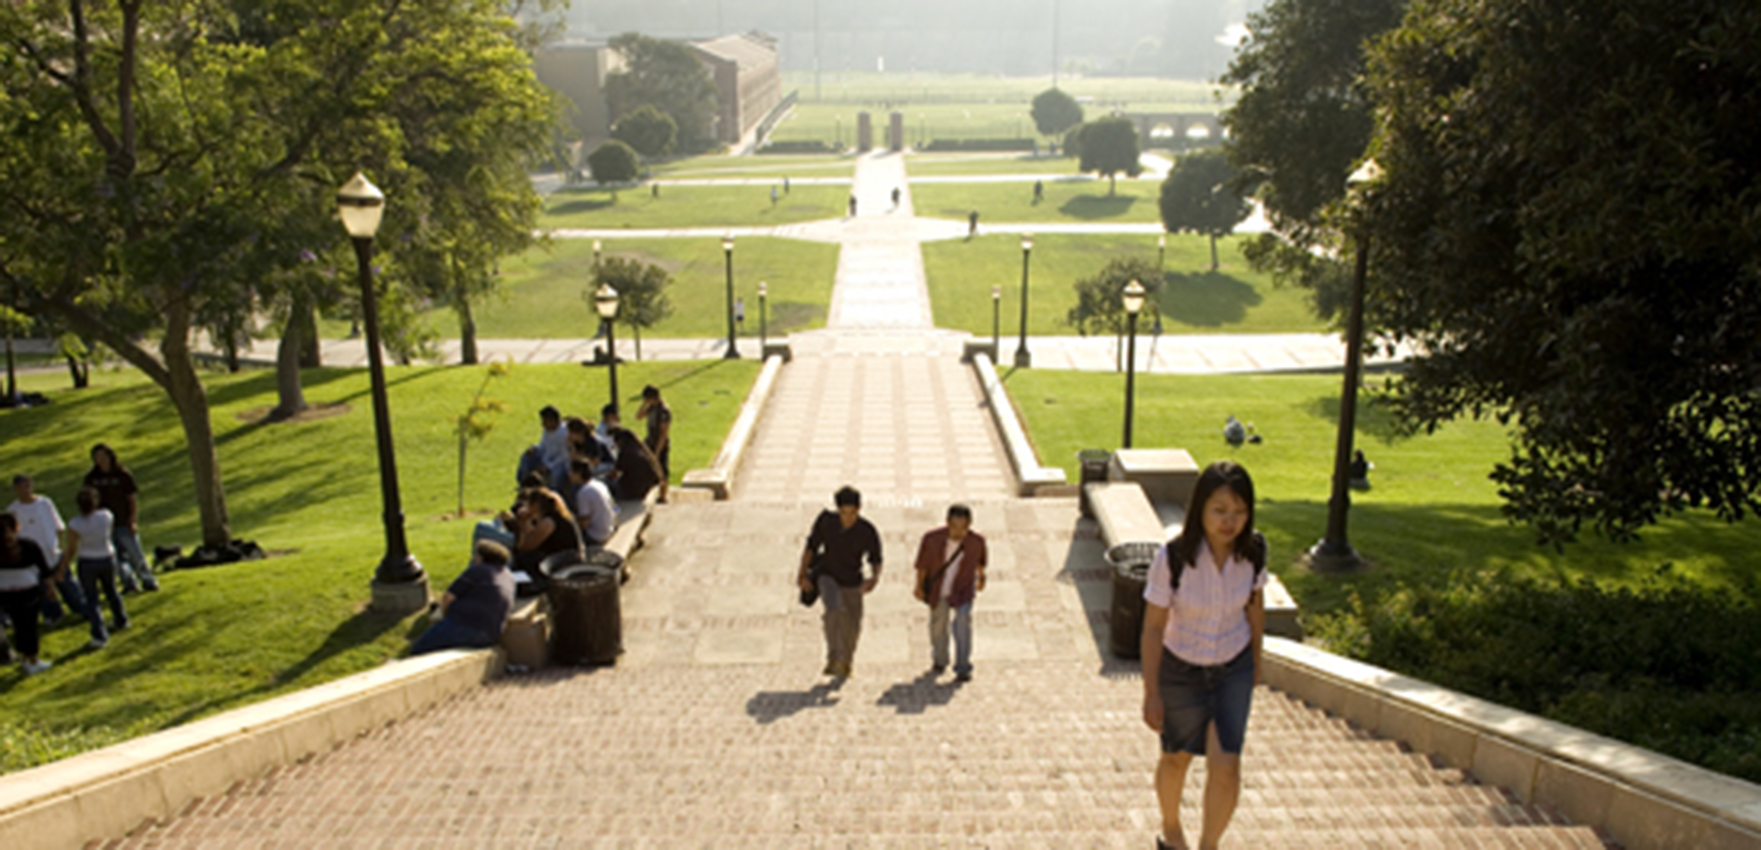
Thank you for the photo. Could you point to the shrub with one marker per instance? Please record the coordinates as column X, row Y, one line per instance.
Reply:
column 1669, row 665
column 801, row 146
column 650, row 131
column 612, row 162
column 979, row 145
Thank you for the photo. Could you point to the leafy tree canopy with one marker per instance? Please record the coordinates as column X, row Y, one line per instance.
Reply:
column 1202, row 194
column 1100, row 300
column 1109, row 146
column 613, row 162
column 668, row 76
column 649, row 131
column 1055, row 111
column 642, row 298
column 1566, row 227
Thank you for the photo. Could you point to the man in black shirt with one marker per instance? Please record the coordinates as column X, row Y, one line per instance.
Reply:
column 838, row 543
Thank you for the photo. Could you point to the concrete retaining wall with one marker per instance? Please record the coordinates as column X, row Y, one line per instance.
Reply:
column 719, row 478
column 1032, row 478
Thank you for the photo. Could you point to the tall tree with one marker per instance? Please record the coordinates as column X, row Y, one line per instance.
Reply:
column 1299, row 125
column 642, row 298
column 1100, row 300
column 1566, row 227
column 668, row 76
column 612, row 163
column 155, row 159
column 649, row 131
column 1109, row 146
column 1055, row 111
column 1203, row 194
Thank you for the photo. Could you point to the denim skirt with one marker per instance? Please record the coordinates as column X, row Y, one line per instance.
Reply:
column 1194, row 697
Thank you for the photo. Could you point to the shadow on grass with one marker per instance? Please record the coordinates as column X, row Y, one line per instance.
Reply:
column 581, row 205
column 1374, row 417
column 1091, row 207
column 789, row 316
column 1206, row 299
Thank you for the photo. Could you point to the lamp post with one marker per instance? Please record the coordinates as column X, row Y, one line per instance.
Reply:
column 605, row 302
column 399, row 585
column 1334, row 553
column 1133, row 299
column 597, row 247
column 996, row 318
column 1024, row 359
column 1161, row 250
column 763, row 318
column 733, row 352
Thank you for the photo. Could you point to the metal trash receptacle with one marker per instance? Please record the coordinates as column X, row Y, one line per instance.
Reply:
column 1131, row 566
column 1092, row 469
column 587, row 625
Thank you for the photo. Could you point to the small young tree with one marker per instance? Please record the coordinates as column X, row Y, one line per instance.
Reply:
column 642, row 300
column 1100, row 300
column 478, row 420
column 1055, row 111
column 1200, row 195
column 612, row 163
column 1109, row 146
column 650, row 131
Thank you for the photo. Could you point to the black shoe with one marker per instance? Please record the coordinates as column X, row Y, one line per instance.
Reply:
column 963, row 677
column 938, row 669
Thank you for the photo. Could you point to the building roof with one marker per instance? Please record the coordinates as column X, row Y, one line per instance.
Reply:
column 746, row 50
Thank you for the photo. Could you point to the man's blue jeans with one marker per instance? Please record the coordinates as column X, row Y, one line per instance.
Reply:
column 938, row 636
column 448, row 634
column 131, row 562
column 70, row 594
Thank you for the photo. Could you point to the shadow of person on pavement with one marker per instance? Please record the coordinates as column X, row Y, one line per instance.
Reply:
column 770, row 706
column 917, row 695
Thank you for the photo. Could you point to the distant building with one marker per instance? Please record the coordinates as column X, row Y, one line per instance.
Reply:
column 747, row 70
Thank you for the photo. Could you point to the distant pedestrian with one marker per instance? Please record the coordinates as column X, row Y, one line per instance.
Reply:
column 40, row 523
column 852, row 206
column 1204, row 621
column 1359, row 471
column 118, row 493
column 475, row 608
column 659, row 418
column 654, row 189
column 895, row 197
column 1039, row 191
column 950, row 573
column 773, row 196
column 24, row 574
column 785, row 185
column 972, row 224
column 832, row 564
column 89, row 545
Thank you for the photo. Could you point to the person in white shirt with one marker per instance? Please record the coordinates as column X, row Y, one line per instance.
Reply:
column 40, row 523
column 1204, row 620
column 594, row 507
column 88, row 542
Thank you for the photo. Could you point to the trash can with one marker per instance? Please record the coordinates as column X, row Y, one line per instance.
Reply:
column 587, row 623
column 1093, row 464
column 1131, row 565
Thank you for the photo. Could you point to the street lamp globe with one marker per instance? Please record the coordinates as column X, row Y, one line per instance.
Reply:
column 605, row 301
column 763, row 289
column 996, row 292
column 360, row 204
column 728, row 243
column 1134, row 293
column 1027, row 242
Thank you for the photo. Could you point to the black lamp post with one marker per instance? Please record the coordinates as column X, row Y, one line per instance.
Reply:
column 1024, row 359
column 1334, row 553
column 605, row 302
column 399, row 584
column 763, row 318
column 1133, row 299
column 1161, row 250
column 733, row 352
column 996, row 318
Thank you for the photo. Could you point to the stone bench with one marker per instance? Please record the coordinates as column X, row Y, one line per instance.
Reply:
column 1166, row 475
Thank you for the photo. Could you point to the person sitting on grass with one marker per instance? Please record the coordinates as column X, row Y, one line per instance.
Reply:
column 475, row 607
column 637, row 471
column 594, row 506
column 23, row 583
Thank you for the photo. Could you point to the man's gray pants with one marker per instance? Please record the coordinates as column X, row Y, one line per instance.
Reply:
column 843, row 620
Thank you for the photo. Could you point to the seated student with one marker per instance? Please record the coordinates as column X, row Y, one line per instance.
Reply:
column 545, row 528
column 475, row 608
column 552, row 451
column 608, row 419
column 1234, row 432
column 584, row 445
column 637, row 471
column 594, row 506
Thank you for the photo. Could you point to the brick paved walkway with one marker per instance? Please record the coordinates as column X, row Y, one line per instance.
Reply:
column 715, row 729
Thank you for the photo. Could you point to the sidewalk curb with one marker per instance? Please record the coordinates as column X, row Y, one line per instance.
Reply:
column 719, row 477
column 1032, row 479
column 1644, row 800
column 108, row 793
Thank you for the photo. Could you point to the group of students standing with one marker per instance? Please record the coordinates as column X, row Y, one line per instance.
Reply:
column 1204, row 623
column 45, row 562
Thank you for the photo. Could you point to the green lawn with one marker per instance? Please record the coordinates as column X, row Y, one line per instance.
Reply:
column 862, row 87
column 775, row 167
column 1133, row 200
column 691, row 206
column 545, row 288
column 1235, row 299
column 223, row 637
column 959, row 164
column 1431, row 511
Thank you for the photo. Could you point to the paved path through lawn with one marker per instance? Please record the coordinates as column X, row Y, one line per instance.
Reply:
column 715, row 730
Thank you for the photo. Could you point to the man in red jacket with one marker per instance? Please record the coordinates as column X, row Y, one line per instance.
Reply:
column 950, row 573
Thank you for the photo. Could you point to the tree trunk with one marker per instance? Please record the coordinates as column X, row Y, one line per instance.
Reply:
column 292, row 396
column 467, row 331
column 1112, row 184
column 635, row 331
column 1213, row 252
column 81, row 372
column 307, row 315
column 191, row 400
column 11, row 368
